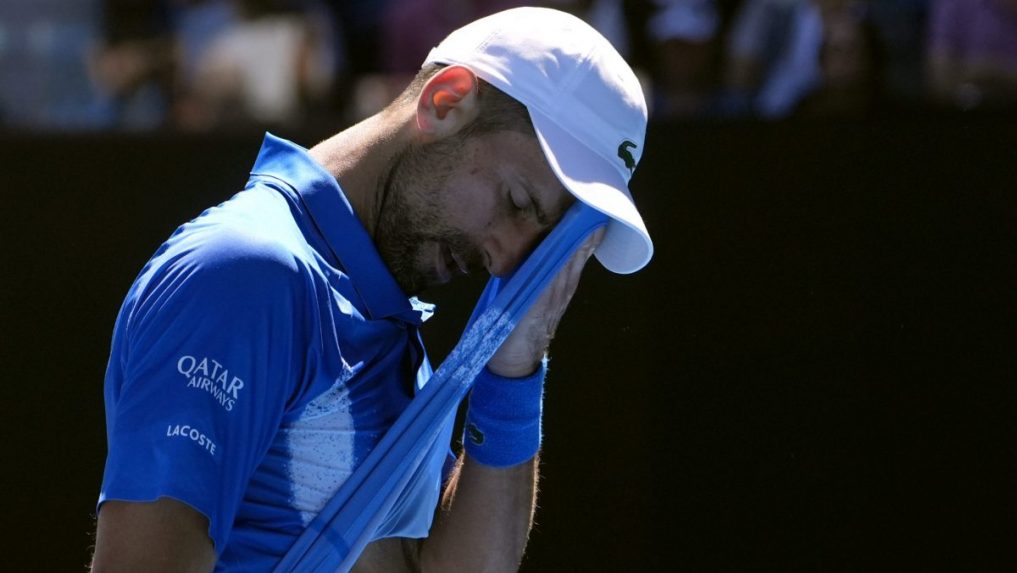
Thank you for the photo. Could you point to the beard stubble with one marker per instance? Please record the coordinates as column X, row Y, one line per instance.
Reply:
column 414, row 212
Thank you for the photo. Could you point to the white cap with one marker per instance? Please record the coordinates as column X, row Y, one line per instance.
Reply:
column 585, row 103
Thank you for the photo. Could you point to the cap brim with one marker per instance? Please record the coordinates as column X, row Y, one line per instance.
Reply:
column 626, row 247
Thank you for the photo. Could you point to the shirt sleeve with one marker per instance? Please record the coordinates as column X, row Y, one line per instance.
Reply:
column 206, row 356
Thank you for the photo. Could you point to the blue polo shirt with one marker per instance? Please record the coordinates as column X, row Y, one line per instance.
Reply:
column 259, row 356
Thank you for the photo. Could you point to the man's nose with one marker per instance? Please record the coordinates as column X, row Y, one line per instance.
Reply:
column 507, row 247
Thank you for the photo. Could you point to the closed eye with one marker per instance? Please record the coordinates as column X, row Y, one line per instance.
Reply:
column 519, row 200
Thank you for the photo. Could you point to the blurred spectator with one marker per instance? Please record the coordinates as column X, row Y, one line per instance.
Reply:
column 196, row 24
column 199, row 64
column 413, row 27
column 607, row 16
column 269, row 67
column 43, row 78
column 133, row 64
column 972, row 55
column 409, row 29
column 684, row 34
column 359, row 23
column 814, row 57
column 851, row 63
column 150, row 50
column 773, row 56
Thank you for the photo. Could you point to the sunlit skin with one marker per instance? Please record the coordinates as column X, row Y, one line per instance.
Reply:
column 466, row 204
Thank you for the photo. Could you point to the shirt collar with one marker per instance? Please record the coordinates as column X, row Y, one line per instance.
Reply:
column 335, row 220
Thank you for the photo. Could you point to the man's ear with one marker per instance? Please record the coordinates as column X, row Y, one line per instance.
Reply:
column 447, row 102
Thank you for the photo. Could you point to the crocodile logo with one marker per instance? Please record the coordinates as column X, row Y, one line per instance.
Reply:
column 626, row 155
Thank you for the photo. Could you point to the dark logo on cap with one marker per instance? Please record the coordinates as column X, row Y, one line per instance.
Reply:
column 626, row 155
column 475, row 435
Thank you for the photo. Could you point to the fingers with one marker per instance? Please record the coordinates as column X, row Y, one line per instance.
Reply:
column 522, row 351
column 551, row 305
column 565, row 284
column 574, row 268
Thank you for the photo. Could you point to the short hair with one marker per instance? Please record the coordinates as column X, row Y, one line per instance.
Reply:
column 498, row 111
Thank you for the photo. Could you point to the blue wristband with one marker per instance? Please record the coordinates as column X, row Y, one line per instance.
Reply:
column 503, row 420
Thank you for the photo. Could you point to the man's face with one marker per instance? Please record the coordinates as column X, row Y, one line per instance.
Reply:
column 465, row 204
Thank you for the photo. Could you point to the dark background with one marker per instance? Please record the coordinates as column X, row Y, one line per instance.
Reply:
column 813, row 374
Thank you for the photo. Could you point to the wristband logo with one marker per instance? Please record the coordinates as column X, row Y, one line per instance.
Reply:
column 474, row 434
column 209, row 375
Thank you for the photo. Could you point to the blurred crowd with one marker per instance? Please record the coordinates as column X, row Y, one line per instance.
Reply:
column 198, row 65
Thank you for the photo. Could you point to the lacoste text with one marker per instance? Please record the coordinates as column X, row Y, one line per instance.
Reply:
column 195, row 435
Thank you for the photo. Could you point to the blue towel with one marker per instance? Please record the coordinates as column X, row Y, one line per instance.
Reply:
column 337, row 536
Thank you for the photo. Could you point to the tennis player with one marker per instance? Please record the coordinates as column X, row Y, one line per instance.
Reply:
column 270, row 342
